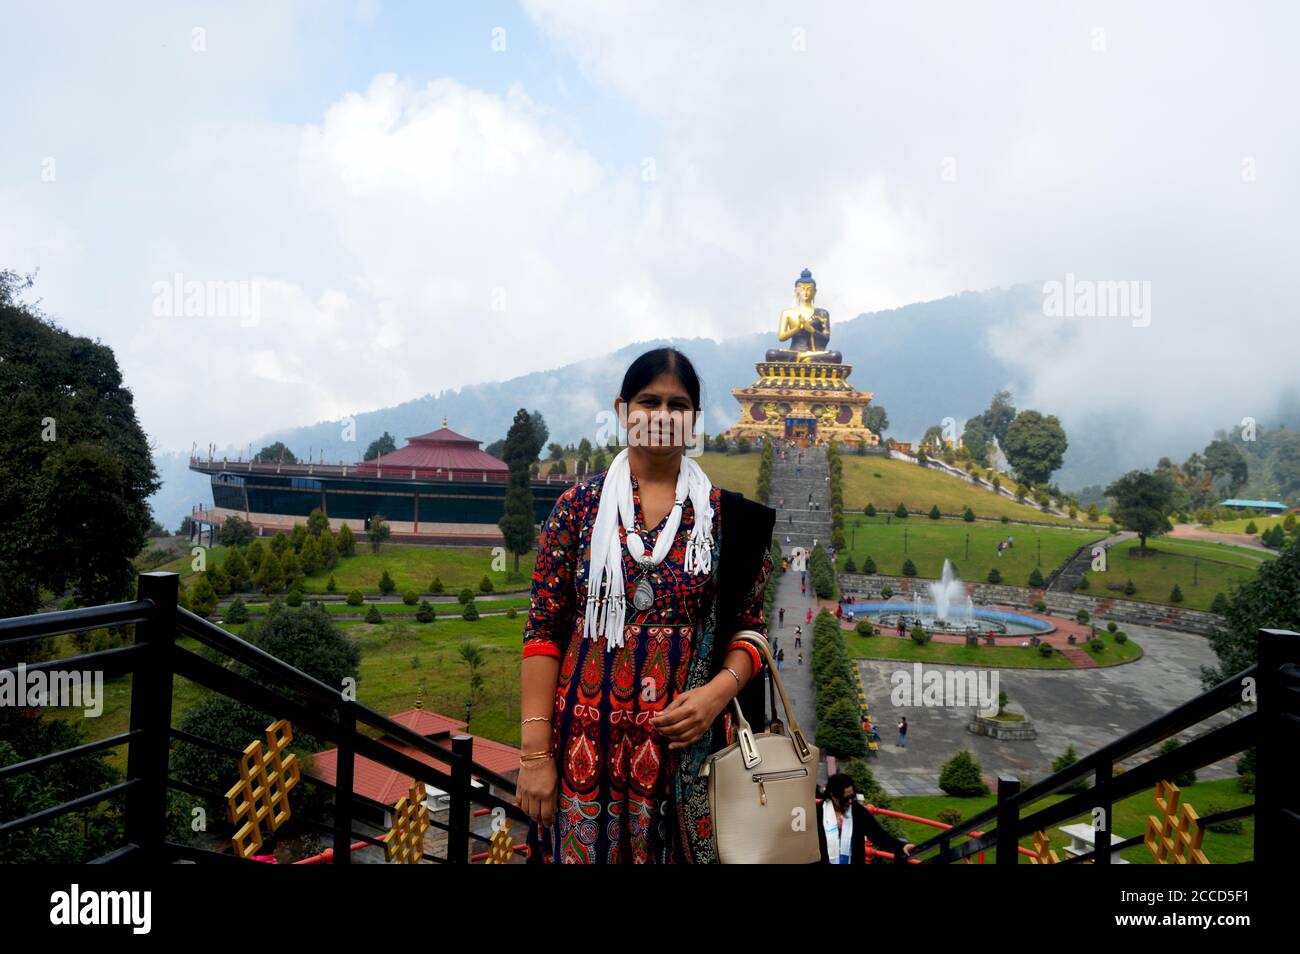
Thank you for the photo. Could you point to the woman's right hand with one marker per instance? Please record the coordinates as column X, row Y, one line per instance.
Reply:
column 535, row 790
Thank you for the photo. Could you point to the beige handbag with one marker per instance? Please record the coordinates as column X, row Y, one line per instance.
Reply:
column 763, row 787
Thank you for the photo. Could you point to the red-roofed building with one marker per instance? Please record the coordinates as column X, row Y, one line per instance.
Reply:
column 437, row 454
column 440, row 489
column 387, row 785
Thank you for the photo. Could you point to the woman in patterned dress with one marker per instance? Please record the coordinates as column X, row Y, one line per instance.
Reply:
column 615, row 719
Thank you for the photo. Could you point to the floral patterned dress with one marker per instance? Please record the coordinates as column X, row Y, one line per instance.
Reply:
column 614, row 799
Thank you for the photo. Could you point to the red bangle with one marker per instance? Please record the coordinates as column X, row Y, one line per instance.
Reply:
column 753, row 653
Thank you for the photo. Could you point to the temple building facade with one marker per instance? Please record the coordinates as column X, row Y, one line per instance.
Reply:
column 803, row 391
column 440, row 488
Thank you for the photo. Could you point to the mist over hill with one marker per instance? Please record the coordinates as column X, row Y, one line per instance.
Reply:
column 923, row 362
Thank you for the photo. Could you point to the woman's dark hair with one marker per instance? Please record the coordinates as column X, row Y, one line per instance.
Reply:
column 661, row 361
column 838, row 784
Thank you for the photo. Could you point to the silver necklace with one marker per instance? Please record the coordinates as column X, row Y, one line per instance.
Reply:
column 644, row 596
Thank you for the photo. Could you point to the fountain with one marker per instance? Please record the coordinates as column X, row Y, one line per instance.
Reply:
column 950, row 610
column 951, row 604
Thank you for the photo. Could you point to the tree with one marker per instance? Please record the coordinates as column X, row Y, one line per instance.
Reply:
column 999, row 415
column 386, row 584
column 1227, row 467
column 236, row 532
column 935, row 514
column 329, row 551
column 379, row 532
column 1142, row 504
column 203, row 598
column 961, row 776
column 317, row 522
column 236, row 570
column 347, row 544
column 76, row 469
column 380, row 445
column 901, row 512
column 976, row 438
column 876, row 419
column 270, row 576
column 1035, row 446
column 517, row 524
column 275, row 454
column 236, row 612
column 310, row 557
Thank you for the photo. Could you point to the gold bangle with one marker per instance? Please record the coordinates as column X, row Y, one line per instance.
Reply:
column 538, row 755
column 535, row 719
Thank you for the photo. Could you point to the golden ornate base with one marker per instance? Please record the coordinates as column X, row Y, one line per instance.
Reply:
column 803, row 401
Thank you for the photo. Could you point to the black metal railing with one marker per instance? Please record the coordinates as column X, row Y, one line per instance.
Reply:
column 1269, row 690
column 155, row 659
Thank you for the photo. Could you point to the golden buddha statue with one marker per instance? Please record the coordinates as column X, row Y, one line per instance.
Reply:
column 807, row 328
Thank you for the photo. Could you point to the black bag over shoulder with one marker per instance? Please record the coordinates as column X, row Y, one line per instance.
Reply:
column 745, row 536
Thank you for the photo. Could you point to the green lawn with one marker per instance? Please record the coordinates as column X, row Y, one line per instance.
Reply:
column 411, row 566
column 1155, row 575
column 737, row 472
column 1239, row 526
column 929, row 542
column 1012, row 656
column 1130, row 820
column 443, row 609
column 387, row 682
column 885, row 483
column 1210, row 550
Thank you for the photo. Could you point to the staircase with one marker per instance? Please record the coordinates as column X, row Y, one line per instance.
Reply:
column 795, row 519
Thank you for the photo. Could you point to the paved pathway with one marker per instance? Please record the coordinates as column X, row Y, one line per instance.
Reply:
column 1087, row 708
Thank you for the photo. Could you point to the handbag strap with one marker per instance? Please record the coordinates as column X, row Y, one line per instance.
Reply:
column 745, row 734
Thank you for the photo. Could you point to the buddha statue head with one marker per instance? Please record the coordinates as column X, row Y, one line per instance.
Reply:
column 805, row 289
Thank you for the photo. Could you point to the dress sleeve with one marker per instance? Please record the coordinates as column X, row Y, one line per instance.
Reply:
column 875, row 832
column 751, row 614
column 551, row 606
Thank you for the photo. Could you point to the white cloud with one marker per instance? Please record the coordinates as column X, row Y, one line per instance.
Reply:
column 413, row 236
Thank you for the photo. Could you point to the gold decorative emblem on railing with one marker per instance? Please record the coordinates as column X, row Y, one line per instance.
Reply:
column 1174, row 837
column 1043, row 853
column 405, row 844
column 502, row 848
column 262, row 793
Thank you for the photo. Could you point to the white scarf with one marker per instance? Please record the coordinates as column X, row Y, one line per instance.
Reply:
column 606, row 608
column 833, row 833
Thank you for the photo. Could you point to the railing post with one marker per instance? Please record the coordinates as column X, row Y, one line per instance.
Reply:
column 345, row 771
column 1101, row 853
column 151, row 712
column 458, row 814
column 1008, row 843
column 1277, row 810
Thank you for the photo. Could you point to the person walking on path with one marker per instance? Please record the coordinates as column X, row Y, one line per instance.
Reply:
column 803, row 588
column 902, row 732
column 780, row 659
column 780, row 616
column 808, row 618
column 801, row 657
column 798, row 637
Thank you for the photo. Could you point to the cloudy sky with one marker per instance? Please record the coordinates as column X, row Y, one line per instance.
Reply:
column 419, row 196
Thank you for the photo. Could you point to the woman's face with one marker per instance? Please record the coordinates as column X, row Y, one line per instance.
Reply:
column 660, row 417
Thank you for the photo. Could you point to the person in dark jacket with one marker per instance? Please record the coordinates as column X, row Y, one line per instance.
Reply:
column 841, row 798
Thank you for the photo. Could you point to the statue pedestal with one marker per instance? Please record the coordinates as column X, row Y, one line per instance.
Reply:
column 803, row 400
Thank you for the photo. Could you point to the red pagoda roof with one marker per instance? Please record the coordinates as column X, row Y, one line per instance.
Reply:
column 443, row 450
column 386, row 785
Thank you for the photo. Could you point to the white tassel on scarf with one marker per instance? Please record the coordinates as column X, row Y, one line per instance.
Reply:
column 606, row 591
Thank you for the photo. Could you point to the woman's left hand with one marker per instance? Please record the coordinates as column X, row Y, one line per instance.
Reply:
column 688, row 716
